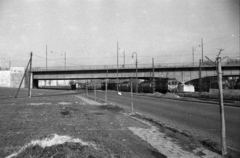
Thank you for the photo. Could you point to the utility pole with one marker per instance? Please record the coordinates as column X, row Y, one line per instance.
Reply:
column 131, row 95
column 224, row 147
column 46, row 56
column 65, row 60
column 30, row 77
column 136, row 71
column 124, row 59
column 193, row 54
column 222, row 115
column 23, row 76
column 106, row 93
column 117, row 66
column 153, row 80
column 200, row 75
column 202, row 48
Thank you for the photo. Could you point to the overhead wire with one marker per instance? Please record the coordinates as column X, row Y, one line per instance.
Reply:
column 57, row 60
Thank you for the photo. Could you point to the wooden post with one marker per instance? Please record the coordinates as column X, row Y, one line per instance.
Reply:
column 117, row 66
column 30, row 77
column 200, row 76
column 153, row 80
column 106, row 86
column 224, row 147
column 22, row 79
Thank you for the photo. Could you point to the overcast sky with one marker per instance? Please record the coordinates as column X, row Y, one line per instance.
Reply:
column 88, row 30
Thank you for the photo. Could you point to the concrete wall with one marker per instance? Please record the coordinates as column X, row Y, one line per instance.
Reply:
column 5, row 78
column 13, row 77
column 16, row 74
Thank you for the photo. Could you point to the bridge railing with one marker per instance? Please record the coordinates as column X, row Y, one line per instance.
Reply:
column 103, row 67
column 133, row 66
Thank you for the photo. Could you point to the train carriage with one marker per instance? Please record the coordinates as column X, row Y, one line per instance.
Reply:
column 162, row 85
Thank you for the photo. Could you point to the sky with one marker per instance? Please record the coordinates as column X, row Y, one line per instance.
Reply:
column 88, row 31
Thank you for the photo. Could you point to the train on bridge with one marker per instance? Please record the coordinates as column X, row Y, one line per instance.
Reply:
column 162, row 85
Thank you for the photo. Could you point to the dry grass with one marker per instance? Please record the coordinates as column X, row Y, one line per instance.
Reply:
column 25, row 121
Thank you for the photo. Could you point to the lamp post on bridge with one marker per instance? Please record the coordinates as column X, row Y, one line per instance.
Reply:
column 106, row 84
column 123, row 59
column 46, row 56
column 136, row 70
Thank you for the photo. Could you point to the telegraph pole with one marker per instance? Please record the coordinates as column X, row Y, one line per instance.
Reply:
column 222, row 115
column 131, row 95
column 200, row 75
column 193, row 54
column 46, row 56
column 117, row 66
column 65, row 60
column 23, row 76
column 153, row 80
column 202, row 48
column 224, row 147
column 124, row 59
column 30, row 77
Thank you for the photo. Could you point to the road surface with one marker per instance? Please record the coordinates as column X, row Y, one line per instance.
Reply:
column 198, row 119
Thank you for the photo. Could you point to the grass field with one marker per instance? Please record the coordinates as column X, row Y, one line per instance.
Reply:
column 72, row 128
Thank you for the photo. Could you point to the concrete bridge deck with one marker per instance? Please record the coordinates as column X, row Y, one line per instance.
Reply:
column 182, row 73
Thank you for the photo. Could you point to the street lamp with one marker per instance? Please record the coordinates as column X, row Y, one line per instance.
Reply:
column 106, row 85
column 46, row 57
column 136, row 70
column 123, row 59
column 193, row 54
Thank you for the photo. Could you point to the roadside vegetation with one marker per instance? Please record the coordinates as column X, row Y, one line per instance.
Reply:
column 56, row 124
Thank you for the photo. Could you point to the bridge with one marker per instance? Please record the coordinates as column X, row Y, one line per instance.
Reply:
column 182, row 72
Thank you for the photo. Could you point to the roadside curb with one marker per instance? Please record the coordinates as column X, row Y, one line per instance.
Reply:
column 184, row 99
column 198, row 101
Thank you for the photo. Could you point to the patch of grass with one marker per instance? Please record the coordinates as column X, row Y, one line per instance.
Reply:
column 25, row 119
column 113, row 108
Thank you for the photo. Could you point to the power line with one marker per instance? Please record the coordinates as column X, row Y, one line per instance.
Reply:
column 56, row 60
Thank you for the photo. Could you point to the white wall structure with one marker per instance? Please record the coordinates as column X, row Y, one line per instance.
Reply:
column 5, row 78
column 13, row 77
column 16, row 75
